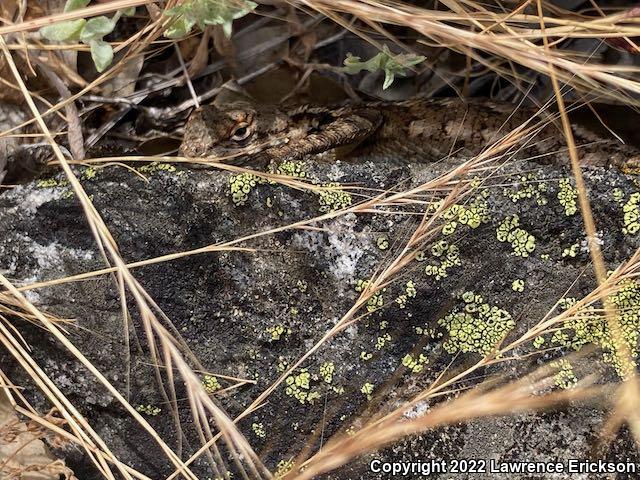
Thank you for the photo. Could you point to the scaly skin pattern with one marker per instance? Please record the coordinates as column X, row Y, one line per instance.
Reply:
column 412, row 131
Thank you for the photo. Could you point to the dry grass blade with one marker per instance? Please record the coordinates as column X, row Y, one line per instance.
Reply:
column 508, row 36
column 94, row 10
column 50, row 426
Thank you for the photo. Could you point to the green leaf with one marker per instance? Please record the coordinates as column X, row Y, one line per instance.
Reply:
column 72, row 5
column 62, row 31
column 96, row 28
column 180, row 28
column 393, row 65
column 207, row 12
column 102, row 54
column 128, row 12
column 389, row 77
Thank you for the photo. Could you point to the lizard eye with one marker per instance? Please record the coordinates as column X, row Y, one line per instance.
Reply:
column 241, row 132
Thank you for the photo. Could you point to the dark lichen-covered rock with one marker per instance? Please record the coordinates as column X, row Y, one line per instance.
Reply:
column 506, row 255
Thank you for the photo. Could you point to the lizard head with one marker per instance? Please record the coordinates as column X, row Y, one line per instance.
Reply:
column 233, row 132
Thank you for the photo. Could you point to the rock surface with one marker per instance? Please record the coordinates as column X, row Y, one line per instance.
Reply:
column 246, row 315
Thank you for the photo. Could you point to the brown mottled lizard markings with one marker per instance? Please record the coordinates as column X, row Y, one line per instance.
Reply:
column 412, row 131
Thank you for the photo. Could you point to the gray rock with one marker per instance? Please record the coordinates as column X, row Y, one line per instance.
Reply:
column 226, row 305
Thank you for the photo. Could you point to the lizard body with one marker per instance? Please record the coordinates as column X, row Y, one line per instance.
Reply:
column 413, row 131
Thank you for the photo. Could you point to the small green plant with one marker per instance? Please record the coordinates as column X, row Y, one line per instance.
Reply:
column 571, row 251
column 382, row 340
column 90, row 32
column 206, row 12
column 391, row 64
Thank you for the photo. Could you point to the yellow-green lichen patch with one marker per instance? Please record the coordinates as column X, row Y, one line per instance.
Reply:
column 283, row 467
column 277, row 332
column 51, row 183
column 241, row 185
column 326, row 371
column 447, row 256
column 618, row 195
column 567, row 195
column 522, row 242
column 365, row 356
column 538, row 342
column 409, row 292
column 475, row 327
column 307, row 387
column 367, row 389
column 528, row 187
column 589, row 326
column 302, row 286
column 150, row 410
column 299, row 387
column 415, row 364
column 333, row 198
column 258, row 430
column 376, row 301
column 290, row 169
column 565, row 378
column 517, row 285
column 87, row 173
column 210, row 383
column 428, row 332
column 472, row 215
column 382, row 340
column 382, row 242
column 571, row 251
column 282, row 366
column 631, row 215
column 157, row 167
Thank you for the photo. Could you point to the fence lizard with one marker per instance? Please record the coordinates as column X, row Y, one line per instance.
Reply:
column 411, row 131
